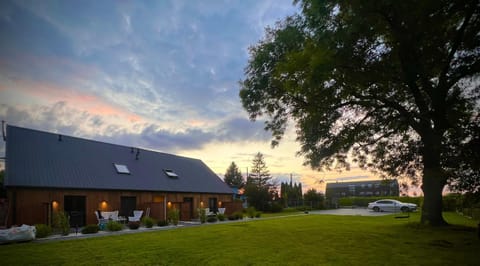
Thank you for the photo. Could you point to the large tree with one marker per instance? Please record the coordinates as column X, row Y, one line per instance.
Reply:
column 233, row 176
column 394, row 85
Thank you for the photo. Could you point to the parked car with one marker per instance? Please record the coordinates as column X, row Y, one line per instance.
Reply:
column 389, row 205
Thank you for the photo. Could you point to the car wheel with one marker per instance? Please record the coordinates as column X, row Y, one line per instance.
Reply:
column 376, row 209
column 404, row 209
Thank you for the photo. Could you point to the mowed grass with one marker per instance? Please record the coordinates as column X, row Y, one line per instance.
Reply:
column 295, row 240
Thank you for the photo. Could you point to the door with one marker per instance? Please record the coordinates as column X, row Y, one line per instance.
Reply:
column 186, row 212
column 75, row 209
column 127, row 206
column 212, row 204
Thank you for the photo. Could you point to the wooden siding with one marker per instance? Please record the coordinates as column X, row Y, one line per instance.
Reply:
column 35, row 206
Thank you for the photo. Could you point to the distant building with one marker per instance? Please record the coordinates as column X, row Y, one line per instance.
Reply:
column 371, row 188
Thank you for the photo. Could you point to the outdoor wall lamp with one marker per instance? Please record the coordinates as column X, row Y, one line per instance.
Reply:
column 103, row 205
column 169, row 204
column 55, row 205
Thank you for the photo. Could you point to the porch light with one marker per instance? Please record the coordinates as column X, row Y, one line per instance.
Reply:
column 103, row 205
column 54, row 205
column 201, row 204
column 219, row 204
column 169, row 204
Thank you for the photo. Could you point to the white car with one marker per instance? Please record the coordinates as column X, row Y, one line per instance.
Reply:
column 389, row 205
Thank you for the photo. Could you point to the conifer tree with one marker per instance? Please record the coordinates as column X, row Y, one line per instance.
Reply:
column 233, row 176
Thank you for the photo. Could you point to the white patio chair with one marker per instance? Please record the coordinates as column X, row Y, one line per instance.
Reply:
column 137, row 215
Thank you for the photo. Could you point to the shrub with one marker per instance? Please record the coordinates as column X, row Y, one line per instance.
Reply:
column 221, row 217
column 42, row 230
column 90, row 229
column 174, row 216
column 133, row 225
column 238, row 215
column 212, row 219
column 202, row 214
column 148, row 222
column 258, row 214
column 232, row 217
column 276, row 207
column 451, row 202
column 114, row 226
column 162, row 223
column 250, row 212
column 61, row 223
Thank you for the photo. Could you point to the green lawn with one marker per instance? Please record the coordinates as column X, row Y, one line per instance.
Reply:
column 294, row 240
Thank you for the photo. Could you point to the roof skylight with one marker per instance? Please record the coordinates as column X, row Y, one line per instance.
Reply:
column 121, row 169
column 170, row 173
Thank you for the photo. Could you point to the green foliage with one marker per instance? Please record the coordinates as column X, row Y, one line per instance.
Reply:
column 468, row 204
column 114, row 226
column 202, row 215
column 148, row 221
column 258, row 214
column 134, row 225
column 162, row 223
column 90, row 229
column 212, row 219
column 236, row 216
column 388, row 85
column 290, row 193
column 42, row 230
column 259, row 188
column 259, row 174
column 276, row 207
column 250, row 211
column 221, row 217
column 174, row 216
column 452, row 202
column 315, row 199
column 61, row 223
column 233, row 176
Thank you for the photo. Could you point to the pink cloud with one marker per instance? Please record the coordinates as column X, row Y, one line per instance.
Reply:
column 50, row 93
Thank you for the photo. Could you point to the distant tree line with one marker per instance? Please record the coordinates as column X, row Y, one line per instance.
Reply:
column 290, row 193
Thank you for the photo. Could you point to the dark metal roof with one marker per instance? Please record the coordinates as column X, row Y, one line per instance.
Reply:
column 41, row 159
column 357, row 183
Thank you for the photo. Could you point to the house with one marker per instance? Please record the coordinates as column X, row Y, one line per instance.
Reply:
column 370, row 188
column 48, row 172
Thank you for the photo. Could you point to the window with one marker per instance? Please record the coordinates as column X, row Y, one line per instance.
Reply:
column 170, row 173
column 121, row 169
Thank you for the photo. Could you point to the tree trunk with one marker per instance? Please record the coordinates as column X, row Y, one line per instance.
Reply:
column 433, row 184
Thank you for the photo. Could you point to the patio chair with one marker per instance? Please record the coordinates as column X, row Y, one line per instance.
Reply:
column 137, row 215
column 208, row 212
column 221, row 210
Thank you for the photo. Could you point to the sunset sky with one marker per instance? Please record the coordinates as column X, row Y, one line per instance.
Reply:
column 161, row 75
